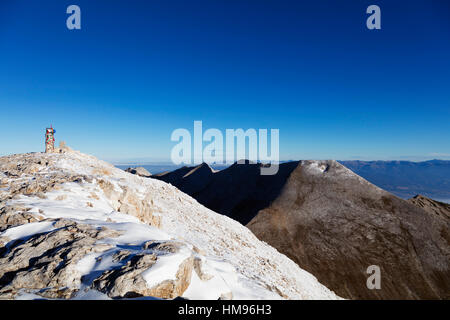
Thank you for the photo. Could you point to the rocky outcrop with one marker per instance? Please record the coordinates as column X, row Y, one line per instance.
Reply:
column 63, row 148
column 431, row 206
column 126, row 201
column 27, row 174
column 11, row 216
column 48, row 260
column 140, row 171
column 127, row 281
column 46, row 263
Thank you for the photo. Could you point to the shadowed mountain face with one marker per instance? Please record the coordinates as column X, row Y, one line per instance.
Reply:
column 238, row 192
column 334, row 224
column 188, row 179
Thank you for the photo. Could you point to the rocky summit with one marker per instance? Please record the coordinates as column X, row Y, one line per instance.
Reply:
column 75, row 227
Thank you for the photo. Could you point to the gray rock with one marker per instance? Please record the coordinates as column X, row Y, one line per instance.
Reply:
column 127, row 281
column 11, row 216
column 140, row 171
column 48, row 260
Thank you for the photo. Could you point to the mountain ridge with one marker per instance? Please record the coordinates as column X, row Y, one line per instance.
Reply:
column 305, row 210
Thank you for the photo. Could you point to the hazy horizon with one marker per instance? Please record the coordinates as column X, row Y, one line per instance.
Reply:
column 133, row 162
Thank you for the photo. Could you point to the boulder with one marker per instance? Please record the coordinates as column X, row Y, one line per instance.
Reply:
column 140, row 171
column 127, row 281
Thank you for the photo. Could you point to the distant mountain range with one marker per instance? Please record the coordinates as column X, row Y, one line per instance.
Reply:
column 406, row 178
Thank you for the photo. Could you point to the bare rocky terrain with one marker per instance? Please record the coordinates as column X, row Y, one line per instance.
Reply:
column 441, row 209
column 335, row 224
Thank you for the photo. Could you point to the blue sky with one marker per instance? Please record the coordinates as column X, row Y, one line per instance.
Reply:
column 137, row 70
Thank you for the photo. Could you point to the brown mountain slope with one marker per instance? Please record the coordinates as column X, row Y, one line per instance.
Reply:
column 431, row 206
column 335, row 224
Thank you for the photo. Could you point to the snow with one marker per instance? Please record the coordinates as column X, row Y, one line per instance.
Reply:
column 316, row 167
column 27, row 230
column 90, row 294
column 88, row 263
column 165, row 268
column 28, row 296
column 136, row 233
column 235, row 259
column 73, row 204
column 211, row 289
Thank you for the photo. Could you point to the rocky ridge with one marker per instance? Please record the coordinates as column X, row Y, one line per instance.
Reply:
column 335, row 224
column 76, row 227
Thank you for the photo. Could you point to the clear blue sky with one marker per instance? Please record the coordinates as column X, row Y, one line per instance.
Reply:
column 137, row 70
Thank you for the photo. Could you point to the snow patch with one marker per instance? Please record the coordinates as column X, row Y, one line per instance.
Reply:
column 27, row 230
